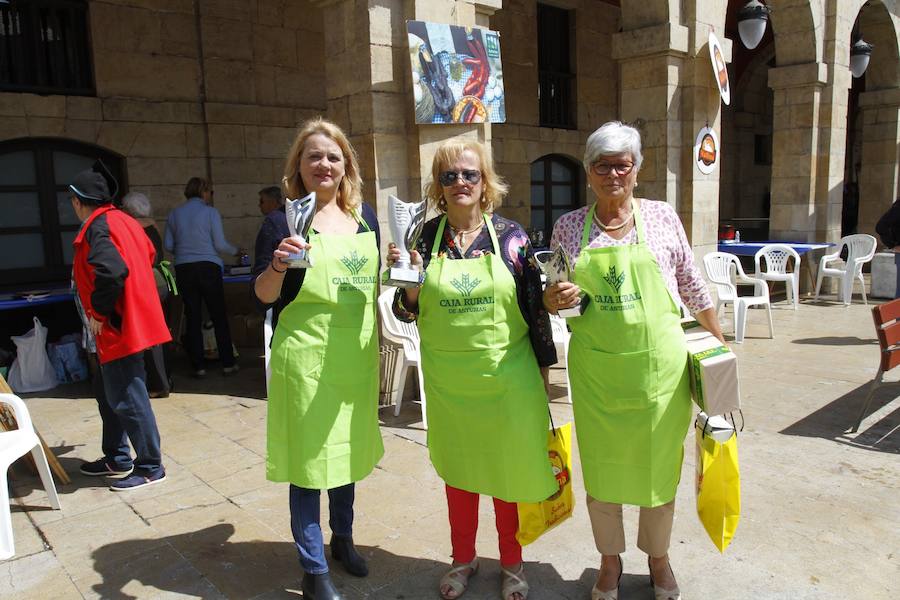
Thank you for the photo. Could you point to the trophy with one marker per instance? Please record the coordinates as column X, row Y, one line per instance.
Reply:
column 558, row 268
column 300, row 214
column 405, row 221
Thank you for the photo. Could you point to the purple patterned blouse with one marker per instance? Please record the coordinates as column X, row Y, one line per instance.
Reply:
column 667, row 242
column 516, row 252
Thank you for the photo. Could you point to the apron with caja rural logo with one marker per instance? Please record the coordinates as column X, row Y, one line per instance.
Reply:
column 486, row 403
column 628, row 374
column 323, row 394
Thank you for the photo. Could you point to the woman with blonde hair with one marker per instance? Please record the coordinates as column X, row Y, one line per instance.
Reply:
column 486, row 350
column 323, row 400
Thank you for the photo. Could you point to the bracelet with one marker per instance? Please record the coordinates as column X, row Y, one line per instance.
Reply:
column 272, row 265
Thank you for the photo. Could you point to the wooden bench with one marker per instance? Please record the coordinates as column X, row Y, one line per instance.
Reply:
column 887, row 326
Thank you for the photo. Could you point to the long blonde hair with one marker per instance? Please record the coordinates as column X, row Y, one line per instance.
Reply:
column 349, row 195
column 495, row 189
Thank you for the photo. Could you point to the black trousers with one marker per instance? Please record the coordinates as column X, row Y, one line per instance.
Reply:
column 202, row 282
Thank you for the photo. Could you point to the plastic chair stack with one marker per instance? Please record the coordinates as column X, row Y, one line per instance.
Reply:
column 407, row 335
column 724, row 272
column 860, row 250
column 776, row 257
column 13, row 445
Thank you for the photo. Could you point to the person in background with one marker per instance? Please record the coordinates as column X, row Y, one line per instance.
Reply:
column 322, row 425
column 194, row 234
column 627, row 360
column 112, row 272
column 138, row 205
column 274, row 228
column 486, row 348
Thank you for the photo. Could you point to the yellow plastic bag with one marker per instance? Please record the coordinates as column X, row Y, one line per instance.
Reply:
column 718, row 480
column 536, row 518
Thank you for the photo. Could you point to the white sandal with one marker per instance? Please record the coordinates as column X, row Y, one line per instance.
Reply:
column 458, row 579
column 514, row 582
column 613, row 594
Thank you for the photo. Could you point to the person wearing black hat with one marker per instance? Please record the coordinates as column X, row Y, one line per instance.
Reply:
column 115, row 288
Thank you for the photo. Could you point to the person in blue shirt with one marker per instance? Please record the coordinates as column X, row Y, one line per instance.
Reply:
column 194, row 234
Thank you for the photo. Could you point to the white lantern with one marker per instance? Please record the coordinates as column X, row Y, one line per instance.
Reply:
column 860, row 53
column 752, row 23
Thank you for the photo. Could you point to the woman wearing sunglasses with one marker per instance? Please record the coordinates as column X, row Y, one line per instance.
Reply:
column 627, row 355
column 486, row 348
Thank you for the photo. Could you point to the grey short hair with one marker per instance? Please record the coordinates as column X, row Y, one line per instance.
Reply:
column 273, row 192
column 613, row 137
column 137, row 205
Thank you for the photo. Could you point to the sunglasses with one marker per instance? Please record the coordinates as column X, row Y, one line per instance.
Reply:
column 470, row 176
column 601, row 168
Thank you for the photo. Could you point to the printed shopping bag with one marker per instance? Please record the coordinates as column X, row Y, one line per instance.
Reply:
column 718, row 481
column 536, row 518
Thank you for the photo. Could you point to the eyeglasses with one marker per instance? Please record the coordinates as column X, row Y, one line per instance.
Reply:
column 470, row 176
column 602, row 168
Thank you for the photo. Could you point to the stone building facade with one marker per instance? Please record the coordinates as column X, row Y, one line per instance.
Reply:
column 217, row 88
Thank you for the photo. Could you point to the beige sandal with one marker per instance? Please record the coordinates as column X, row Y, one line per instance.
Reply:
column 458, row 579
column 513, row 582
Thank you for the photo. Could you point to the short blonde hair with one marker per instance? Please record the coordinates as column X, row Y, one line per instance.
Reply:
column 349, row 194
column 495, row 189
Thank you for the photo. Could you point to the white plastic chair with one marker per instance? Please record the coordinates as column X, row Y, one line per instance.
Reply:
column 860, row 250
column 13, row 445
column 724, row 272
column 267, row 346
column 406, row 334
column 776, row 259
column 561, row 337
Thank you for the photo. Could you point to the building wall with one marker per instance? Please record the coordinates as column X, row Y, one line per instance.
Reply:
column 178, row 94
column 521, row 141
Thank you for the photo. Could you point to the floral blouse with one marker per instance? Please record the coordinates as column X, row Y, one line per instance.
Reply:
column 666, row 239
column 516, row 252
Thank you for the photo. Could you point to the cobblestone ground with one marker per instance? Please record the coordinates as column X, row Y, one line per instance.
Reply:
column 820, row 508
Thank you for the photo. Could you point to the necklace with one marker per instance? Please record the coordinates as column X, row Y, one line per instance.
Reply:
column 625, row 222
column 462, row 233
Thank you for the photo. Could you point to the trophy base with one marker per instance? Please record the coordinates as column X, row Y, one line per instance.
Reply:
column 574, row 311
column 300, row 260
column 402, row 277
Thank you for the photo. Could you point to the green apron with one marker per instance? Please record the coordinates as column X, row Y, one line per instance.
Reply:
column 487, row 407
column 323, row 394
column 628, row 375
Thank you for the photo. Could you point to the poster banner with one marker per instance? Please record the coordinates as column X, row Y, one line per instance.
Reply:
column 720, row 71
column 456, row 74
column 706, row 150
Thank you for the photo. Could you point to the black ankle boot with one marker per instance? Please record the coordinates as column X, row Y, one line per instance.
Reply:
column 319, row 587
column 343, row 550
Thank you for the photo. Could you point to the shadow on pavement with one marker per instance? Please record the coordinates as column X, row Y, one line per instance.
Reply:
column 831, row 422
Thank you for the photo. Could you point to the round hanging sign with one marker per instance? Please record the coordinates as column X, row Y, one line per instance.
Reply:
column 706, row 150
column 720, row 72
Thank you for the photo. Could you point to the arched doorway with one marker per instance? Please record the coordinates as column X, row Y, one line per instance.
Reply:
column 555, row 190
column 38, row 224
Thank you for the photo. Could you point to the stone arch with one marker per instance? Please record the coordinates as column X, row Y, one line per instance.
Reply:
column 879, row 23
column 798, row 31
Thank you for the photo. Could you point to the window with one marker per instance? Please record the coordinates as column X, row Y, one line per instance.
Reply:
column 38, row 224
column 556, row 81
column 554, row 192
column 44, row 47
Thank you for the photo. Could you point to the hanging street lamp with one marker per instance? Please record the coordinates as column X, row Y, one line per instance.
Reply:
column 860, row 53
column 752, row 23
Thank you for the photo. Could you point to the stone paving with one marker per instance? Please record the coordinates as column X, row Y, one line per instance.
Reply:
column 820, row 508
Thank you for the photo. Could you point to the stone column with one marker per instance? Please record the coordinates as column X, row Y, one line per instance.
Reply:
column 795, row 151
column 879, row 180
column 370, row 93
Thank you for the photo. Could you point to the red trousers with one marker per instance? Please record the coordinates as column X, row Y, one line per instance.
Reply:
column 463, row 510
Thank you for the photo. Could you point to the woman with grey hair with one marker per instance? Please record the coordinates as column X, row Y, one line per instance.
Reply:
column 138, row 206
column 627, row 355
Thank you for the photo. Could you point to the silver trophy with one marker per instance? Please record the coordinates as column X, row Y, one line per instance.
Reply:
column 405, row 220
column 558, row 268
column 300, row 214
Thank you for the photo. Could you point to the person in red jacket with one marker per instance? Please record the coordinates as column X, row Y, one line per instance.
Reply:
column 117, row 292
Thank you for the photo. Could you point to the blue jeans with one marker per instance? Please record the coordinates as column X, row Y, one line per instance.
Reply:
column 305, row 523
column 127, row 415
